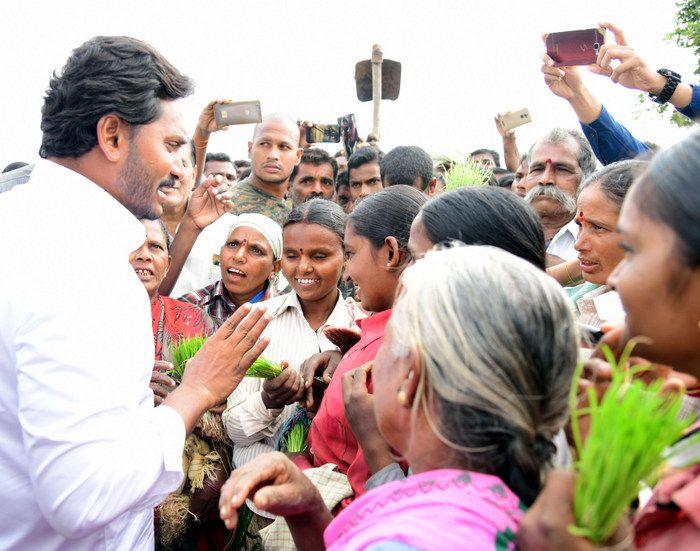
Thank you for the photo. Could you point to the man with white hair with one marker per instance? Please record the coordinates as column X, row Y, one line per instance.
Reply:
column 558, row 162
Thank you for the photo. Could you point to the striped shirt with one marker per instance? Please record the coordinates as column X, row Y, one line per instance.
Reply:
column 252, row 427
column 213, row 300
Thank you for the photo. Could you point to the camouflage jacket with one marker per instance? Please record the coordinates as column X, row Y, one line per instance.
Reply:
column 248, row 198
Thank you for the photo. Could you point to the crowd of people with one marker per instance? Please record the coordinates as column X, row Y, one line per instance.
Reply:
column 427, row 328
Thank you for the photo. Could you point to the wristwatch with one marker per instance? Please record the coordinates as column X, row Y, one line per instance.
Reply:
column 673, row 79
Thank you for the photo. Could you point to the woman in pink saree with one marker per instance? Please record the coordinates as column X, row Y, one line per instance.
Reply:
column 470, row 386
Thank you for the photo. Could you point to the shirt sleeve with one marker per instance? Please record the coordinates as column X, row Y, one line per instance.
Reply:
column 692, row 110
column 95, row 445
column 610, row 140
column 246, row 418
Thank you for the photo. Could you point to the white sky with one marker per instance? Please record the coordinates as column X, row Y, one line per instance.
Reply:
column 463, row 62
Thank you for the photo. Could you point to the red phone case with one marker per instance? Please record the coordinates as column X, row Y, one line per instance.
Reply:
column 574, row 47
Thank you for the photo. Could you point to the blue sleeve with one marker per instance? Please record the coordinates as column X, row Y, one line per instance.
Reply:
column 610, row 140
column 692, row 110
column 390, row 545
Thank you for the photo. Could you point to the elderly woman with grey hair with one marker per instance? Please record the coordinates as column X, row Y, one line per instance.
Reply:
column 470, row 387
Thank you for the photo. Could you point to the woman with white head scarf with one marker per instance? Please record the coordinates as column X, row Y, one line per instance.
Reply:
column 249, row 261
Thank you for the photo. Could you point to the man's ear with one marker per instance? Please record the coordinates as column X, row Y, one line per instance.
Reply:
column 394, row 255
column 250, row 150
column 432, row 186
column 300, row 152
column 113, row 137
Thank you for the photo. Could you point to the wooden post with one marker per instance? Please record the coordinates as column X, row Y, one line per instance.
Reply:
column 377, row 57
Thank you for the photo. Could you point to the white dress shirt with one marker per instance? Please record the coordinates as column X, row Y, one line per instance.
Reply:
column 252, row 427
column 562, row 244
column 84, row 456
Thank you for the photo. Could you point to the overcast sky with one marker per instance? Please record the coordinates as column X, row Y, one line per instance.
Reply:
column 462, row 62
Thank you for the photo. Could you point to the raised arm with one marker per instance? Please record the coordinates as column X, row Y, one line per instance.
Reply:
column 510, row 148
column 207, row 204
column 609, row 140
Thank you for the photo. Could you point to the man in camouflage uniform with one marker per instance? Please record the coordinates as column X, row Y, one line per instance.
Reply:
column 274, row 152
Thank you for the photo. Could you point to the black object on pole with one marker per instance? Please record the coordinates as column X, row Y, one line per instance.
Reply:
column 391, row 79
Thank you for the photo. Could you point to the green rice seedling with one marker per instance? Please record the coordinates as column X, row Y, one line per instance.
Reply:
column 465, row 174
column 183, row 351
column 264, row 368
column 630, row 429
column 296, row 439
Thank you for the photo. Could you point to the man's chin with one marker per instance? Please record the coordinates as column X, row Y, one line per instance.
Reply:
column 150, row 212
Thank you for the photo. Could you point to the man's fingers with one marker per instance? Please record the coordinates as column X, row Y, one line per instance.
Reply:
column 229, row 326
column 607, row 55
column 159, row 392
column 347, row 383
column 598, row 70
column 553, row 71
column 360, row 378
column 621, row 68
column 250, row 329
column 617, row 32
column 162, row 379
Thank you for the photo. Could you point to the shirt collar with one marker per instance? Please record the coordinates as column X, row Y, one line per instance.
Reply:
column 571, row 227
column 373, row 326
column 338, row 317
column 98, row 208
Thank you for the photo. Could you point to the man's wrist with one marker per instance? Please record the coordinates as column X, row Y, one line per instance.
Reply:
column 587, row 108
column 188, row 225
column 657, row 85
column 201, row 135
column 190, row 402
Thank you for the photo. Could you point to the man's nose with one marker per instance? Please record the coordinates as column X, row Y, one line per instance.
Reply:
column 547, row 176
column 177, row 171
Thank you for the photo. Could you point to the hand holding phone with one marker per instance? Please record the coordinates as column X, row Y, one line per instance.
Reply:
column 323, row 133
column 571, row 48
column 240, row 112
column 512, row 119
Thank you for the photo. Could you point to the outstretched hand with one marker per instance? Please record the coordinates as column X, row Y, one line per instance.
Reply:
column 220, row 365
column 275, row 485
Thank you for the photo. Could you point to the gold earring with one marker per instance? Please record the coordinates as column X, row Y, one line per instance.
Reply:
column 401, row 397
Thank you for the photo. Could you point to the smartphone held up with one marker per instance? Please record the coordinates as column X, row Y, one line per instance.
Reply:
column 240, row 112
column 512, row 119
column 323, row 133
column 571, row 48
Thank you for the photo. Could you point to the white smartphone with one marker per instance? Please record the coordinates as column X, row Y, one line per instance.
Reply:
column 513, row 119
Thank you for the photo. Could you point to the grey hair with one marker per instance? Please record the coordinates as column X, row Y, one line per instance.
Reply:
column 497, row 340
column 616, row 179
column 561, row 136
column 322, row 212
column 567, row 201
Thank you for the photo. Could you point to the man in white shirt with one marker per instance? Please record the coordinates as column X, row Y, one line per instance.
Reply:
column 557, row 164
column 85, row 456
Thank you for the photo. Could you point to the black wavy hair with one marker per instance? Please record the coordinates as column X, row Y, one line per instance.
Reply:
column 106, row 75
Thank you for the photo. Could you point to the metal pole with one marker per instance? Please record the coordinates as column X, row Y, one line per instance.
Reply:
column 377, row 58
